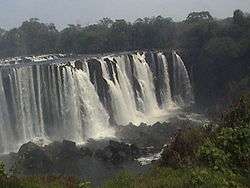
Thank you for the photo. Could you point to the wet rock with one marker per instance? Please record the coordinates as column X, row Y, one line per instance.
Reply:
column 96, row 77
column 66, row 149
column 146, row 136
column 118, row 152
column 65, row 158
column 86, row 152
column 79, row 65
column 32, row 159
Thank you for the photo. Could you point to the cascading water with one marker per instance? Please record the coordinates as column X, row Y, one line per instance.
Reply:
column 49, row 102
column 165, row 93
column 84, row 99
column 145, row 78
column 182, row 93
column 119, row 105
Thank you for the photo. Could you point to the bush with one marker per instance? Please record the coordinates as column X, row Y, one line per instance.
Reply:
column 229, row 147
column 204, row 177
column 85, row 184
column 123, row 180
column 182, row 151
column 213, row 156
column 2, row 172
column 39, row 182
column 239, row 115
column 177, row 178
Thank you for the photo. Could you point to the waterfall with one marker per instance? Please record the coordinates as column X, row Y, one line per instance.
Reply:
column 84, row 99
column 5, row 128
column 183, row 95
column 50, row 103
column 145, row 78
column 95, row 116
column 165, row 93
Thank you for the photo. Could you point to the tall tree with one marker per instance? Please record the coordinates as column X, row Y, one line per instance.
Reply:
column 199, row 16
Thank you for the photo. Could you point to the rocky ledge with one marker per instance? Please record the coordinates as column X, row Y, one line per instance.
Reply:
column 65, row 157
column 98, row 160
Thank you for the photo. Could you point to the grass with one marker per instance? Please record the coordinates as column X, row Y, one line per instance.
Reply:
column 39, row 182
column 178, row 178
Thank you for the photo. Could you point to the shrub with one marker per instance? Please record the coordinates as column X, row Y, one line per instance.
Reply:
column 229, row 147
column 213, row 156
column 2, row 172
column 123, row 180
column 177, row 178
column 182, row 151
column 239, row 115
column 204, row 177
column 85, row 184
column 39, row 182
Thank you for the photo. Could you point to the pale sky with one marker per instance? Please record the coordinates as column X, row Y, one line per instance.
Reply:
column 63, row 12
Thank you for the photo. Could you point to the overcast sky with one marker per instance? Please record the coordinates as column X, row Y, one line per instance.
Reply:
column 63, row 12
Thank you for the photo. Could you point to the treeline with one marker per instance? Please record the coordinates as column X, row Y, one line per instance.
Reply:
column 216, row 52
column 34, row 37
column 199, row 34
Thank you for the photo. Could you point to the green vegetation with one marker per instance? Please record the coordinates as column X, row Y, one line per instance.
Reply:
column 39, row 182
column 196, row 35
column 177, row 178
column 216, row 155
column 229, row 146
column 2, row 172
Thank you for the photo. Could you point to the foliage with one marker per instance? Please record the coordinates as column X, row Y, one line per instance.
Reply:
column 230, row 145
column 238, row 17
column 171, row 178
column 182, row 151
column 2, row 172
column 85, row 184
column 215, row 158
column 222, row 150
column 34, row 37
column 199, row 16
column 39, row 182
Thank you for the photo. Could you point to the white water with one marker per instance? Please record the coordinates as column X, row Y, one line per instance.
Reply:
column 68, row 104
column 137, row 106
column 145, row 79
column 95, row 116
column 166, row 92
column 43, row 103
column 182, row 87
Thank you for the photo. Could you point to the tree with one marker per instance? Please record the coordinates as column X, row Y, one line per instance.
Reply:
column 238, row 17
column 222, row 48
column 2, row 31
column 199, row 16
column 38, row 37
column 107, row 22
column 119, row 36
column 69, row 39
